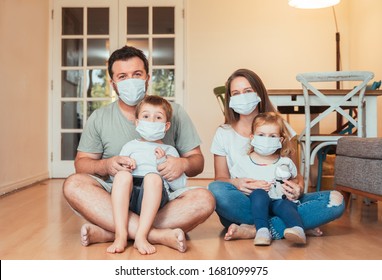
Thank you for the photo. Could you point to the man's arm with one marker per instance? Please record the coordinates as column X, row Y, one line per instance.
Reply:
column 91, row 163
column 193, row 162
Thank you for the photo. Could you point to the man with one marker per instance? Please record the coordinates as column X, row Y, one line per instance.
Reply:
column 106, row 131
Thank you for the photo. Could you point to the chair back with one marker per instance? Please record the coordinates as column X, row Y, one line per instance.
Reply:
column 219, row 93
column 376, row 85
column 311, row 92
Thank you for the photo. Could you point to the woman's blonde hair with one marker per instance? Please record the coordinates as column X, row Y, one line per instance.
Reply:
column 277, row 119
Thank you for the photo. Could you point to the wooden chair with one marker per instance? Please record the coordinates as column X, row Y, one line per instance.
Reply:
column 220, row 96
column 312, row 143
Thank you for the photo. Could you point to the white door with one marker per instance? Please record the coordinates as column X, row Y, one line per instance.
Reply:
column 85, row 33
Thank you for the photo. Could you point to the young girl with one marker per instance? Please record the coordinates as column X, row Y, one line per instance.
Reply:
column 269, row 163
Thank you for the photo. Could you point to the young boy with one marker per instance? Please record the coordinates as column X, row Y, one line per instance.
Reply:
column 143, row 190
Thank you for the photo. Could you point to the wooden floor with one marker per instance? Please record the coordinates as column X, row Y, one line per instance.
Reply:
column 36, row 223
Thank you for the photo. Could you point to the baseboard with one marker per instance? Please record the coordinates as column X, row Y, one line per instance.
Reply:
column 19, row 184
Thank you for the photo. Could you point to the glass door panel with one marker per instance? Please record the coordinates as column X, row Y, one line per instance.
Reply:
column 153, row 26
column 80, row 84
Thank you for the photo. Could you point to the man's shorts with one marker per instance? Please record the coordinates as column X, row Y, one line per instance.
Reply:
column 108, row 184
column 137, row 195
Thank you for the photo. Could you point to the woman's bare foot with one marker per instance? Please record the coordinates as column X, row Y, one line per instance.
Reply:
column 314, row 232
column 143, row 246
column 173, row 238
column 243, row 231
column 94, row 234
column 118, row 246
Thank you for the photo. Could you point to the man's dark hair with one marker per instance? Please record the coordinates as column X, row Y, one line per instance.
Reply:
column 125, row 53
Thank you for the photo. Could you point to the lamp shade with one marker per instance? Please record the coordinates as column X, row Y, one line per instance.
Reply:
column 312, row 4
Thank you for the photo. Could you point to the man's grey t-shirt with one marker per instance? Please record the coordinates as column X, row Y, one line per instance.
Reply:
column 107, row 130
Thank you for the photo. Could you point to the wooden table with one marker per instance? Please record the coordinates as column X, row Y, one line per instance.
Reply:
column 291, row 101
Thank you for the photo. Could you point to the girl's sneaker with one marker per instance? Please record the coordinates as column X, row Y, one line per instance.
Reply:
column 263, row 237
column 295, row 235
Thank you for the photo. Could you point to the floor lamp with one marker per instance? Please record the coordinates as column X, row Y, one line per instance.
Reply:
column 338, row 47
column 317, row 4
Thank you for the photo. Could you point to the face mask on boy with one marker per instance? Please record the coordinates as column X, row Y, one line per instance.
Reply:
column 266, row 146
column 245, row 103
column 131, row 91
column 151, row 131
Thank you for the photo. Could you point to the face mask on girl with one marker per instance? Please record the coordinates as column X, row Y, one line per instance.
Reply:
column 266, row 146
column 151, row 131
column 131, row 91
column 245, row 103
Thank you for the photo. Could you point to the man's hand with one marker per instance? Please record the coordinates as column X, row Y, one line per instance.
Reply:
column 119, row 163
column 172, row 168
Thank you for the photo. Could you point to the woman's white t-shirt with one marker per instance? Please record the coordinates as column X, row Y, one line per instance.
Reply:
column 228, row 143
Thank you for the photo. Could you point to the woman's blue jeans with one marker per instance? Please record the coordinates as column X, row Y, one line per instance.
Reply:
column 233, row 206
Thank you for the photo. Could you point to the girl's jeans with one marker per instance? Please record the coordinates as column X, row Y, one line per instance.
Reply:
column 232, row 206
column 262, row 206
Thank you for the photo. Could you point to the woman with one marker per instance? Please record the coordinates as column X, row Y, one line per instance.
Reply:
column 246, row 97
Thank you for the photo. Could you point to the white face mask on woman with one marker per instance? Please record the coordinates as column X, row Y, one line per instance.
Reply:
column 266, row 146
column 244, row 103
column 131, row 91
column 151, row 131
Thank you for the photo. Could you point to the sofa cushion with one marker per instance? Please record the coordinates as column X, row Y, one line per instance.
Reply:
column 367, row 148
column 359, row 173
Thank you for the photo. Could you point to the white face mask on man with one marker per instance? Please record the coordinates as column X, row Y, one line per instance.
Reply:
column 266, row 146
column 151, row 131
column 244, row 103
column 131, row 91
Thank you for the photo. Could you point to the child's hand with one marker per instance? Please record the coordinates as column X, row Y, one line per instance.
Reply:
column 119, row 163
column 159, row 153
column 130, row 164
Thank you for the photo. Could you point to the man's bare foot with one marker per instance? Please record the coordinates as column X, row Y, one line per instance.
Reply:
column 314, row 232
column 173, row 238
column 143, row 246
column 94, row 234
column 243, row 231
column 118, row 246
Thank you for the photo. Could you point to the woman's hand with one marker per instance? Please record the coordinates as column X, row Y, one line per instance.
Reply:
column 292, row 189
column 247, row 185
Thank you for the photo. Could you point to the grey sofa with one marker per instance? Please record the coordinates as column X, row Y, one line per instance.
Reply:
column 358, row 167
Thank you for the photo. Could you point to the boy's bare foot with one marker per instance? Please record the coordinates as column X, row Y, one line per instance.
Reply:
column 243, row 231
column 173, row 238
column 118, row 246
column 94, row 234
column 314, row 232
column 143, row 246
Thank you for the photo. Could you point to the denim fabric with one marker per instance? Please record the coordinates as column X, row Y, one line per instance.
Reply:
column 232, row 206
column 262, row 207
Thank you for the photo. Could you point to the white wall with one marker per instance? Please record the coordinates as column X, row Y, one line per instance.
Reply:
column 24, row 26
column 269, row 37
